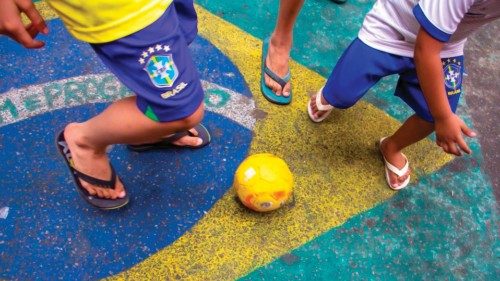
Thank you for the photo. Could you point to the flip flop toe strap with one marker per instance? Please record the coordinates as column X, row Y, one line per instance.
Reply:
column 280, row 80
column 98, row 182
column 400, row 172
column 168, row 140
column 319, row 105
column 176, row 136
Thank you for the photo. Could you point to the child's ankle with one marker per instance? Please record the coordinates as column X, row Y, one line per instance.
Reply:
column 389, row 146
column 75, row 136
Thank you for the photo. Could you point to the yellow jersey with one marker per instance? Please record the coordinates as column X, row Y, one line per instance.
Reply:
column 101, row 21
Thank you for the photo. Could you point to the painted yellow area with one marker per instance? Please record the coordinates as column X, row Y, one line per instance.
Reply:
column 45, row 11
column 336, row 166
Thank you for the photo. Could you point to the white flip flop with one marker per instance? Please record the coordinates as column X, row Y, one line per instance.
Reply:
column 321, row 107
column 389, row 167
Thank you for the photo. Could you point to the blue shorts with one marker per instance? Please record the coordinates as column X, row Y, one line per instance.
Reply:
column 156, row 64
column 361, row 66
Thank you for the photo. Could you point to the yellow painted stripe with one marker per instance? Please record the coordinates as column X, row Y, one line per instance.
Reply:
column 336, row 167
column 45, row 10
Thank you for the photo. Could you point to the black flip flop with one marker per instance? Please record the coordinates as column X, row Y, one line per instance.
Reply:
column 101, row 203
column 168, row 141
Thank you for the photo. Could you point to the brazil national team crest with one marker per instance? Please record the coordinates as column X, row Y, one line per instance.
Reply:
column 160, row 67
column 452, row 75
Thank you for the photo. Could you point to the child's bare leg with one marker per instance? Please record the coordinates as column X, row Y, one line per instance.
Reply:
column 121, row 122
column 413, row 130
column 281, row 43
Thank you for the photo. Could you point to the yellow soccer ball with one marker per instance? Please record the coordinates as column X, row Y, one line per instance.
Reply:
column 263, row 182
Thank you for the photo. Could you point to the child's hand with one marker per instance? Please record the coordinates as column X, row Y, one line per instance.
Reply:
column 449, row 135
column 12, row 26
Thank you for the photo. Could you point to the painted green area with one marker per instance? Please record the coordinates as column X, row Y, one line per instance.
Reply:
column 8, row 106
column 216, row 98
column 443, row 228
column 32, row 103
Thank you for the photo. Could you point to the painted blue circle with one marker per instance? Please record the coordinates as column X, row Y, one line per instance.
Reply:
column 50, row 232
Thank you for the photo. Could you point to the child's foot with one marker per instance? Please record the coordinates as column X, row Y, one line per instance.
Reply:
column 397, row 159
column 189, row 140
column 318, row 108
column 91, row 162
column 277, row 61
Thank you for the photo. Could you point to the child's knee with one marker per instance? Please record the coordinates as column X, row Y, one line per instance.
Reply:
column 193, row 119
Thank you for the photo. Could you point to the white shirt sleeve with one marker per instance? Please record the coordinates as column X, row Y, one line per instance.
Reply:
column 440, row 18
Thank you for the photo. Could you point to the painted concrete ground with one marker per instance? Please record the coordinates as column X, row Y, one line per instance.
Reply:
column 183, row 222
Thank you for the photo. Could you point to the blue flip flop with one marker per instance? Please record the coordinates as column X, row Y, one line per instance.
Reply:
column 168, row 142
column 266, row 91
column 101, row 203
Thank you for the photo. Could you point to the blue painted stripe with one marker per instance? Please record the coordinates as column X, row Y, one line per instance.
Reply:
column 50, row 231
column 428, row 26
column 64, row 57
